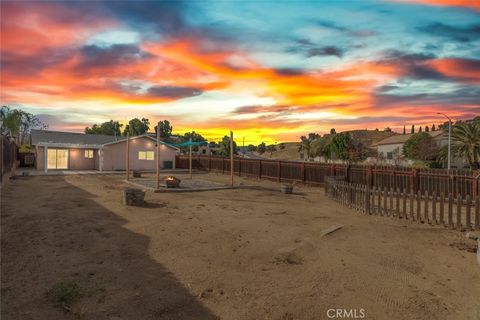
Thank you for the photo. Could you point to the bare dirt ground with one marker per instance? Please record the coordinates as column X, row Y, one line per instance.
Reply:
column 71, row 250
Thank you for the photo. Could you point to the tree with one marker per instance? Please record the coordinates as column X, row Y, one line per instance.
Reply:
column 305, row 146
column 225, row 147
column 136, row 127
column 196, row 137
column 404, row 130
column 357, row 151
column 109, row 128
column 420, row 129
column 262, row 147
column 252, row 148
column 412, row 130
column 398, row 157
column 18, row 123
column 271, row 149
column 420, row 146
column 165, row 129
column 467, row 142
column 281, row 146
column 332, row 131
column 387, row 129
column 312, row 136
column 427, row 129
column 319, row 147
column 339, row 145
column 433, row 127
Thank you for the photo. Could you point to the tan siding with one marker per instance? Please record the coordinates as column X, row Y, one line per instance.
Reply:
column 115, row 158
column 77, row 160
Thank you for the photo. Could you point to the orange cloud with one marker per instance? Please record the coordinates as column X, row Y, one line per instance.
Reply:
column 465, row 69
column 472, row 4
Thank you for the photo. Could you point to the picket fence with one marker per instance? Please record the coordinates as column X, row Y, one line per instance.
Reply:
column 454, row 212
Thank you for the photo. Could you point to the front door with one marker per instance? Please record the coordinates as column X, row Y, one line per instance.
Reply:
column 57, row 159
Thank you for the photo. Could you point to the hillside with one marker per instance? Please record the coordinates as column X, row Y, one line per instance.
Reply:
column 290, row 152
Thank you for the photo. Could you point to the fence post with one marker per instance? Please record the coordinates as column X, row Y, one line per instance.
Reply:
column 369, row 177
column 419, row 206
column 210, row 163
column 240, row 167
column 450, row 211
column 459, row 211
column 477, row 213
column 475, row 183
column 303, row 172
column 259, row 169
column 415, row 180
column 442, row 208
column 279, row 168
column 223, row 165
column 367, row 201
column 468, row 220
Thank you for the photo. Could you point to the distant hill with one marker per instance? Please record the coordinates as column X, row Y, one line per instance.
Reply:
column 290, row 152
column 368, row 137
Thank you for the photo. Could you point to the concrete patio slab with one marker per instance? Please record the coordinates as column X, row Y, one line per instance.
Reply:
column 33, row 172
column 186, row 185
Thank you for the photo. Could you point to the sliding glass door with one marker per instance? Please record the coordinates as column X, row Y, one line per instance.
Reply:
column 57, row 159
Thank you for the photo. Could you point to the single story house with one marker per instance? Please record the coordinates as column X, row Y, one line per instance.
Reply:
column 391, row 145
column 77, row 151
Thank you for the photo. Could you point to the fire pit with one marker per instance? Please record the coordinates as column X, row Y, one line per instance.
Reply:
column 172, row 182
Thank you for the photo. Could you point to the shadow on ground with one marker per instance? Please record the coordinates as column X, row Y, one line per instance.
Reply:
column 55, row 234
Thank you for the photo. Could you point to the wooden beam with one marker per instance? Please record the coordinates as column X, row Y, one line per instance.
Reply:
column 231, row 157
column 128, row 156
column 158, row 155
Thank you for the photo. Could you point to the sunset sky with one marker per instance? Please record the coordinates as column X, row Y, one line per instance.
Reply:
column 269, row 70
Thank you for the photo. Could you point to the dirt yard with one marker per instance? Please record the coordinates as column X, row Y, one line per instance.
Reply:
column 71, row 250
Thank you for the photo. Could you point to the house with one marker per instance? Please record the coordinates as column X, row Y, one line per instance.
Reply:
column 78, row 151
column 209, row 149
column 392, row 146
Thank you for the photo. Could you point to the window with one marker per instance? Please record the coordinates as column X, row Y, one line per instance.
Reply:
column 146, row 155
column 390, row 155
column 89, row 154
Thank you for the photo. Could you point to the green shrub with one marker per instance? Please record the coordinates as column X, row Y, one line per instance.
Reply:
column 64, row 293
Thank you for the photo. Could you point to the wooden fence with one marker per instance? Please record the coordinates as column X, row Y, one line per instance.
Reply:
column 8, row 156
column 461, row 213
column 463, row 182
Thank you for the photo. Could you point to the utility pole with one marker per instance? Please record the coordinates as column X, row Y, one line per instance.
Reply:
column 244, row 147
column 449, row 137
column 128, row 156
column 158, row 155
column 190, row 158
column 231, row 157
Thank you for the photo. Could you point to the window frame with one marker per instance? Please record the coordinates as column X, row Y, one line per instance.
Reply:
column 88, row 154
column 146, row 155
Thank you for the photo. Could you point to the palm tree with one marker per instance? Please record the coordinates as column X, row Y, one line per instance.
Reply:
column 467, row 142
column 305, row 146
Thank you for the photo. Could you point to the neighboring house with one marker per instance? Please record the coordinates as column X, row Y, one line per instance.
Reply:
column 78, row 151
column 208, row 150
column 392, row 146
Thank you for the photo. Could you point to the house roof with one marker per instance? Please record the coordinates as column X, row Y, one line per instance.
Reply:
column 73, row 139
column 146, row 135
column 402, row 138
